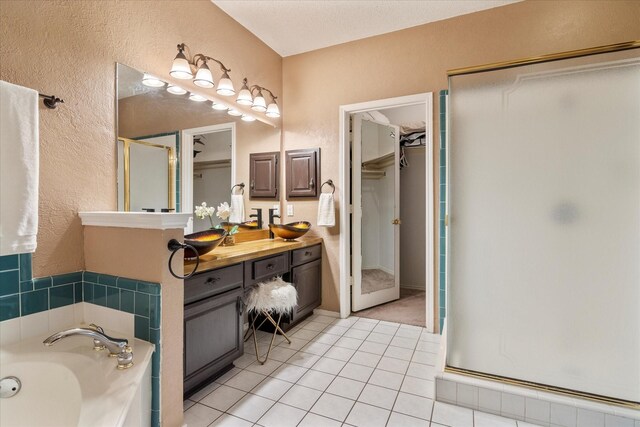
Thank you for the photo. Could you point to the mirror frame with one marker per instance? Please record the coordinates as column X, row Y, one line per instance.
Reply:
column 126, row 154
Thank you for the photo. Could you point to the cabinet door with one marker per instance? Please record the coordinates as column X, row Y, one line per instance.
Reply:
column 263, row 175
column 212, row 336
column 307, row 279
column 302, row 172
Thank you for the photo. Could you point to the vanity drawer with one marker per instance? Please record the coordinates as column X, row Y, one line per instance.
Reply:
column 301, row 256
column 212, row 282
column 266, row 268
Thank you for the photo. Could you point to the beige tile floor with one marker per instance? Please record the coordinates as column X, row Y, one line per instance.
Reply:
column 336, row 372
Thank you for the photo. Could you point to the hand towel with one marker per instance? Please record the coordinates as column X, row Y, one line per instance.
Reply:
column 326, row 211
column 18, row 169
column 237, row 208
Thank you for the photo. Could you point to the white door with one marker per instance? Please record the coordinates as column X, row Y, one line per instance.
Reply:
column 376, row 213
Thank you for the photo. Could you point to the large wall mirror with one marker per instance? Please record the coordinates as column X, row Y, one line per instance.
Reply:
column 175, row 152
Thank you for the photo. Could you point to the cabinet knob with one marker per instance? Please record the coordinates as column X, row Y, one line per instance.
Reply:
column 311, row 183
column 396, row 221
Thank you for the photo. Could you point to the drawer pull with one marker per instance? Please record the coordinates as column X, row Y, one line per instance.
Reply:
column 308, row 253
column 270, row 266
column 212, row 280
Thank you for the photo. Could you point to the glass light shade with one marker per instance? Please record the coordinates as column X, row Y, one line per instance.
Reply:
column 197, row 98
column 176, row 90
column 225, row 86
column 203, row 78
column 234, row 112
column 259, row 104
column 273, row 110
column 181, row 69
column 244, row 97
column 247, row 118
column 151, row 81
column 219, row 107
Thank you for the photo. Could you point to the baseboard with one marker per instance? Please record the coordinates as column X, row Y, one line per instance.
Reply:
column 417, row 288
column 326, row 313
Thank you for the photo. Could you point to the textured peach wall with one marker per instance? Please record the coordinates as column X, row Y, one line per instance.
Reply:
column 141, row 254
column 415, row 61
column 69, row 48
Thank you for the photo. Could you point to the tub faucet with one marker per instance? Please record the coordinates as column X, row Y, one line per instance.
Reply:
column 257, row 216
column 118, row 347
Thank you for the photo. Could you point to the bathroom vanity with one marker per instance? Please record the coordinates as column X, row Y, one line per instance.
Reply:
column 213, row 298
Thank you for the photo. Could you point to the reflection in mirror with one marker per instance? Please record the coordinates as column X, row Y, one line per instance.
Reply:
column 211, row 150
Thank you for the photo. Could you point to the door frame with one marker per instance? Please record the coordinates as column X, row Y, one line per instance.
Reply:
column 186, row 171
column 345, row 209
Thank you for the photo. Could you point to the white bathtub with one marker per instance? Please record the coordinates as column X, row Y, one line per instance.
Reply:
column 70, row 384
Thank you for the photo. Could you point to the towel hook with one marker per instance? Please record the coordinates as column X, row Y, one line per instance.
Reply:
column 330, row 184
column 241, row 185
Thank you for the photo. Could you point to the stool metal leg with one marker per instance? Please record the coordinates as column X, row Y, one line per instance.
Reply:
column 277, row 328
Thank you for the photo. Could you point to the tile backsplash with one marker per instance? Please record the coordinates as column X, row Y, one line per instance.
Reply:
column 47, row 303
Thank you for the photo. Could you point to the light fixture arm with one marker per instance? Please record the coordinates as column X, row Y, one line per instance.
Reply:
column 200, row 57
column 261, row 88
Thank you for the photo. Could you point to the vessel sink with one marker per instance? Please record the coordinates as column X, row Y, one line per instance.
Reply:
column 247, row 225
column 290, row 231
column 203, row 241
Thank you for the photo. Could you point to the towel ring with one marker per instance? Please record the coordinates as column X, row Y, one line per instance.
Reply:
column 329, row 183
column 241, row 185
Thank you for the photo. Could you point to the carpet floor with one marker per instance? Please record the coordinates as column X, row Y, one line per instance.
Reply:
column 409, row 309
column 375, row 280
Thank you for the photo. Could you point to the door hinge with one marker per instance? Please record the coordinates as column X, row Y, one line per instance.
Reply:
column 351, row 281
column 446, row 220
column 350, row 209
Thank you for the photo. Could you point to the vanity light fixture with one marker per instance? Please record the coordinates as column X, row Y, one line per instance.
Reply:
column 244, row 97
column 183, row 68
column 233, row 112
column 151, row 81
column 248, row 118
column 259, row 104
column 218, row 106
column 197, row 98
column 176, row 90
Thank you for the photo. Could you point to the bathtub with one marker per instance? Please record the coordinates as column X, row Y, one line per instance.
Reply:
column 70, row 384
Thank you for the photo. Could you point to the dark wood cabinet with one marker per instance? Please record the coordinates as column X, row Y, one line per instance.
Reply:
column 302, row 172
column 213, row 321
column 307, row 278
column 213, row 311
column 264, row 171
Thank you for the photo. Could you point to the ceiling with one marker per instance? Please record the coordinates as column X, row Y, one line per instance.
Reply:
column 294, row 26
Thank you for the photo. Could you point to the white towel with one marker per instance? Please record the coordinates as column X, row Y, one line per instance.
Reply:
column 237, row 208
column 18, row 169
column 326, row 211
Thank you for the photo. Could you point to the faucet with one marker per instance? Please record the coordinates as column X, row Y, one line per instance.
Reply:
column 118, row 347
column 258, row 216
column 272, row 217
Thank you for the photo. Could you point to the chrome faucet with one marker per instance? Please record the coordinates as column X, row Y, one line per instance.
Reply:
column 118, row 347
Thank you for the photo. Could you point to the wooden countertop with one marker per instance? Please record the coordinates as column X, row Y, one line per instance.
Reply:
column 223, row 256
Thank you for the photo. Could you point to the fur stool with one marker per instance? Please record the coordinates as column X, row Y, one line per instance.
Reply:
column 275, row 296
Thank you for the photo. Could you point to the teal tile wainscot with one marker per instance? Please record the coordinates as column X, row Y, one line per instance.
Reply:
column 442, row 279
column 22, row 295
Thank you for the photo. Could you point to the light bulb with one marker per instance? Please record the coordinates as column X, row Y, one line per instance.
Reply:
column 219, row 107
column 151, row 81
column 176, row 90
column 233, row 112
column 203, row 78
column 197, row 98
column 225, row 86
column 181, row 69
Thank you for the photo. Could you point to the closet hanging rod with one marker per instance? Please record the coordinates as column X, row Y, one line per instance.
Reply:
column 50, row 101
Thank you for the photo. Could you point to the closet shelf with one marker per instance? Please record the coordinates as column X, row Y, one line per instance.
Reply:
column 379, row 162
column 212, row 164
column 373, row 174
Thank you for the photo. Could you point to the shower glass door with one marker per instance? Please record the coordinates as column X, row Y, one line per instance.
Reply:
column 544, row 224
column 376, row 215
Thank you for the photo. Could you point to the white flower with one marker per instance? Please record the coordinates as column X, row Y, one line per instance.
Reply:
column 203, row 211
column 224, row 211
